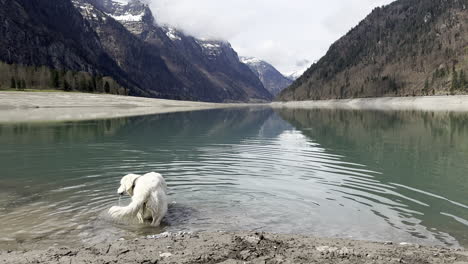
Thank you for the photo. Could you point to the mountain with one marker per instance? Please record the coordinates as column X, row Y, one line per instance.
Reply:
column 37, row 37
column 272, row 79
column 205, row 70
column 407, row 48
column 294, row 75
column 209, row 70
column 116, row 47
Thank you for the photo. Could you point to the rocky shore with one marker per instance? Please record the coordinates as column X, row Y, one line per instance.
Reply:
column 243, row 247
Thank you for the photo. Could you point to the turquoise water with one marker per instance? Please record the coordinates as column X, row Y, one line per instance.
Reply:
column 373, row 175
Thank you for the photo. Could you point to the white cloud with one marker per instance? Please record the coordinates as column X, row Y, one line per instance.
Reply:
column 282, row 32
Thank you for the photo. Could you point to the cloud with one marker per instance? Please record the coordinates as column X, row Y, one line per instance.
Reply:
column 282, row 32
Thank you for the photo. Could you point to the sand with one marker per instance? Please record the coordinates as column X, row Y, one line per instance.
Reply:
column 244, row 247
column 422, row 103
column 61, row 106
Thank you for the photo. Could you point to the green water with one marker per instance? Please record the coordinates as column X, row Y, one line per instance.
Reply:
column 373, row 175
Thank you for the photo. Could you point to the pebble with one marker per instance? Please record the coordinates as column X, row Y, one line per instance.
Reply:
column 244, row 254
column 326, row 249
column 121, row 239
column 252, row 239
column 158, row 236
column 165, row 255
column 344, row 251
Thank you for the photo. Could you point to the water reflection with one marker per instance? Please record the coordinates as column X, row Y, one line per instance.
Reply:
column 420, row 155
column 366, row 175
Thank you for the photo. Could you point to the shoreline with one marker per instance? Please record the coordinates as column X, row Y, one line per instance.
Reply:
column 21, row 107
column 456, row 103
column 18, row 107
column 238, row 247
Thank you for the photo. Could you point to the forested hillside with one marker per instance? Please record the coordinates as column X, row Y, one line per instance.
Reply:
column 21, row 77
column 408, row 48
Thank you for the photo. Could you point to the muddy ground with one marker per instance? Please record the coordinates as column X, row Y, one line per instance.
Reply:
column 226, row 248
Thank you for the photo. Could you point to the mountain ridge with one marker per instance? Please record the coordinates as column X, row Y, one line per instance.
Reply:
column 107, row 46
column 407, row 48
column 211, row 67
column 273, row 80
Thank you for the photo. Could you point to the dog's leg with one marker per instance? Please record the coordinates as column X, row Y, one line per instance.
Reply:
column 140, row 217
column 141, row 214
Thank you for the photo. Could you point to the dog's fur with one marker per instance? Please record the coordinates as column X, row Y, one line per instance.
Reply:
column 149, row 198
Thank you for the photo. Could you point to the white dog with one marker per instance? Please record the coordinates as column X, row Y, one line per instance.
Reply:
column 149, row 198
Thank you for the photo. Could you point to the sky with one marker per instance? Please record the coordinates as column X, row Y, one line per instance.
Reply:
column 289, row 34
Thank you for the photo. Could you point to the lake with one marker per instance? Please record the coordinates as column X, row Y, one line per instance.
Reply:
column 372, row 175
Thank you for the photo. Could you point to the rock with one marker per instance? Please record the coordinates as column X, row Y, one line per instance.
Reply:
column 322, row 249
column 252, row 239
column 345, row 251
column 405, row 244
column 245, row 254
column 388, row 243
column 121, row 239
column 326, row 249
column 165, row 255
column 158, row 236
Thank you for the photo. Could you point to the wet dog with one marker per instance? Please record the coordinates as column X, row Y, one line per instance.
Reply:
column 149, row 198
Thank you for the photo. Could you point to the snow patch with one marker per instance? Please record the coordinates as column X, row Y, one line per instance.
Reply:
column 172, row 34
column 250, row 60
column 295, row 74
column 128, row 17
column 123, row 2
column 210, row 48
column 88, row 11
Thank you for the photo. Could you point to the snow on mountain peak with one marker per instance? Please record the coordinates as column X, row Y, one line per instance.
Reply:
column 89, row 11
column 295, row 74
column 127, row 17
column 250, row 60
column 127, row 10
column 123, row 2
column 172, row 33
column 211, row 48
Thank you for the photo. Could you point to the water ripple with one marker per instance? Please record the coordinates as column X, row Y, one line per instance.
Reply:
column 218, row 180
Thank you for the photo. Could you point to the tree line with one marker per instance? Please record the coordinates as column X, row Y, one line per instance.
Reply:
column 22, row 77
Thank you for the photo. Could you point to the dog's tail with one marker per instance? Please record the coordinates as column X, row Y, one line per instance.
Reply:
column 130, row 210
